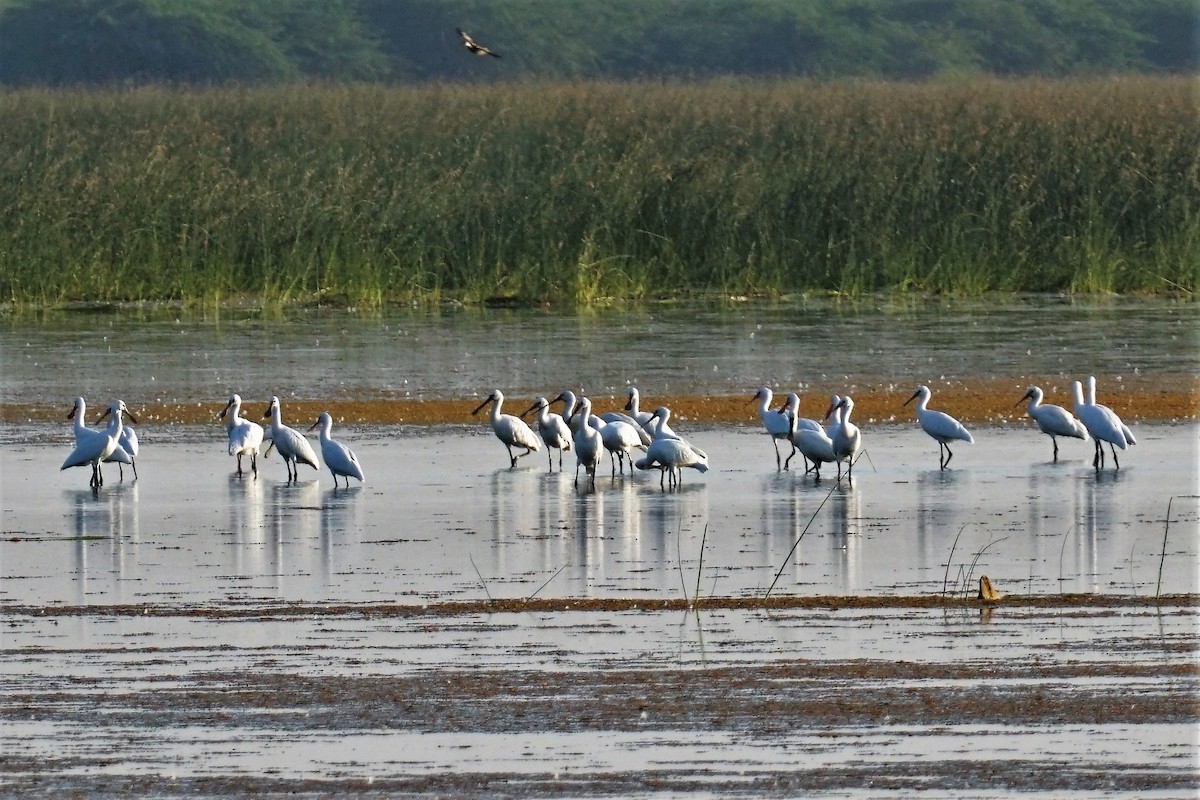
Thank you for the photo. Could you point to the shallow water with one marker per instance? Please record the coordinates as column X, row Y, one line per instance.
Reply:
column 663, row 350
column 442, row 517
column 121, row 676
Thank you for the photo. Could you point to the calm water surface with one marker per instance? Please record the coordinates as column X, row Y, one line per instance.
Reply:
column 668, row 350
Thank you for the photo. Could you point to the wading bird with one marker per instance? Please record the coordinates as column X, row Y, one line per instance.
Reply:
column 127, row 441
column 620, row 437
column 553, row 430
column 291, row 444
column 339, row 458
column 1091, row 400
column 942, row 427
column 245, row 436
column 847, row 439
column 631, row 407
column 510, row 430
column 1054, row 421
column 776, row 424
column 475, row 47
column 670, row 455
column 586, row 441
column 91, row 446
column 1102, row 424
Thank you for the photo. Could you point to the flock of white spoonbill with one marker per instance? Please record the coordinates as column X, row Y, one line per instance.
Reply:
column 616, row 433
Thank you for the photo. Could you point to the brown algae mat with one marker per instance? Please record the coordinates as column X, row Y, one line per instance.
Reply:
column 984, row 401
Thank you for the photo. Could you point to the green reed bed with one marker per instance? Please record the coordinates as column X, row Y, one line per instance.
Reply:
column 582, row 193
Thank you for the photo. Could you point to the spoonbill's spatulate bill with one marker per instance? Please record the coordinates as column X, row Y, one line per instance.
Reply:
column 1052, row 420
column 942, row 427
column 91, row 446
column 291, row 444
column 127, row 441
column 338, row 457
column 553, row 430
column 1103, row 425
column 245, row 436
column 631, row 408
column 510, row 430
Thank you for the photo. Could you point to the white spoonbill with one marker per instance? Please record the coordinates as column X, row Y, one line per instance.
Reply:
column 626, row 419
column 1054, row 421
column 245, row 436
column 815, row 447
column 570, row 406
column 587, row 441
column 847, row 439
column 91, row 446
column 775, row 423
column 660, row 429
column 552, row 428
column 510, row 430
column 942, row 427
column 670, row 455
column 127, row 441
column 339, row 458
column 1091, row 399
column 1102, row 424
column 291, row 444
column 631, row 407
column 619, row 438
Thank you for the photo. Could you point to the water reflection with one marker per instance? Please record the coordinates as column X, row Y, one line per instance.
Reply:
column 104, row 514
column 845, row 511
column 514, row 496
column 340, row 521
column 675, row 524
column 1094, row 491
column 246, row 523
column 940, row 511
column 292, row 517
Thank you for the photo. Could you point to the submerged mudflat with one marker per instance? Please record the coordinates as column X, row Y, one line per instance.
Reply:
column 1068, row 699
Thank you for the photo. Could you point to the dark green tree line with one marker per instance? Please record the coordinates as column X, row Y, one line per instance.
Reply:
column 72, row 42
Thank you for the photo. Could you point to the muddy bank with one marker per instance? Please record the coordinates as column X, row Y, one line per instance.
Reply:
column 1098, row 701
column 980, row 401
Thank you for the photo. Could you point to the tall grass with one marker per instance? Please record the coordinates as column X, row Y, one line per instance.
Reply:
column 578, row 193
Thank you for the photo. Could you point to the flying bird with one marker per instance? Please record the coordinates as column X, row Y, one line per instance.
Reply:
column 474, row 46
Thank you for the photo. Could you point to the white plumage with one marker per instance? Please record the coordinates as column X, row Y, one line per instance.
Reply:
column 1052, row 420
column 510, row 430
column 552, row 428
column 291, row 444
column 91, row 446
column 338, row 457
column 619, row 437
column 846, row 437
column 1102, row 423
column 942, row 427
column 127, row 441
column 245, row 437
column 587, row 441
column 671, row 455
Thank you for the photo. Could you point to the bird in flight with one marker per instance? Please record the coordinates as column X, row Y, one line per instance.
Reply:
column 474, row 46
